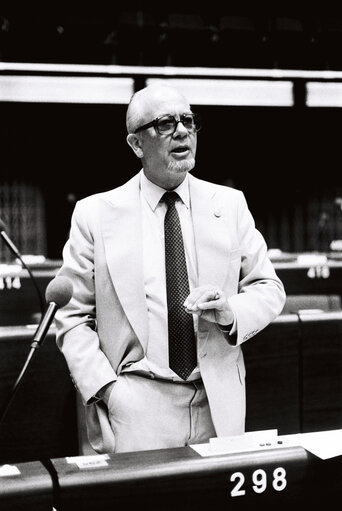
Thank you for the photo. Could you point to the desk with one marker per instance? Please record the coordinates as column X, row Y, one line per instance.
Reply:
column 294, row 374
column 19, row 302
column 181, row 479
column 320, row 355
column 272, row 376
column 169, row 479
column 26, row 487
column 41, row 421
column 299, row 278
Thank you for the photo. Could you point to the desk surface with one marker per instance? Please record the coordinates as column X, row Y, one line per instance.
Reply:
column 182, row 479
column 25, row 486
column 179, row 478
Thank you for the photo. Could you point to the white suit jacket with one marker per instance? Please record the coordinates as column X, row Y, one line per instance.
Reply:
column 105, row 324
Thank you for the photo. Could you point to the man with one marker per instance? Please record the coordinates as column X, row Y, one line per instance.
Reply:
column 125, row 331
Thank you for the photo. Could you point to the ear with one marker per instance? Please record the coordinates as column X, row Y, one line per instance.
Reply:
column 134, row 141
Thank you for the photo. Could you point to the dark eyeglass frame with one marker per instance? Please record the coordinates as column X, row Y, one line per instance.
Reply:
column 196, row 124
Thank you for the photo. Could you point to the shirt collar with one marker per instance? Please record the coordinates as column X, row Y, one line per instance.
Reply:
column 153, row 193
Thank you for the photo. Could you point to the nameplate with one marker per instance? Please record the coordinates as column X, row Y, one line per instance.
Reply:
column 91, row 461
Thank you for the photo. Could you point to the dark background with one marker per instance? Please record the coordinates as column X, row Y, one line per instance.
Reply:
column 285, row 159
column 280, row 157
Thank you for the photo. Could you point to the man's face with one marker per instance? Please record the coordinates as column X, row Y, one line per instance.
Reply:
column 167, row 157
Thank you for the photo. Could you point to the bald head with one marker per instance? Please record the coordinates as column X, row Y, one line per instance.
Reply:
column 142, row 103
column 166, row 158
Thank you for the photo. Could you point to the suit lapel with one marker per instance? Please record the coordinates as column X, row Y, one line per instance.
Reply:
column 210, row 231
column 122, row 235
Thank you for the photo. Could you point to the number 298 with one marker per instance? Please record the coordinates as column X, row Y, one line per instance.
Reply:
column 259, row 481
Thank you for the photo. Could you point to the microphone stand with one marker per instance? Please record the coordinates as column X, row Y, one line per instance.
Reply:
column 37, row 341
column 16, row 386
column 58, row 293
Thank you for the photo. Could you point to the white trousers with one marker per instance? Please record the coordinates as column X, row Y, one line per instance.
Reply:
column 157, row 414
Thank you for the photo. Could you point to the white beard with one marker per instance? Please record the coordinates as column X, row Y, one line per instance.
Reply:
column 182, row 166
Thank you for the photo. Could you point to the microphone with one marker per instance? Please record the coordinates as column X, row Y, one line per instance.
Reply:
column 16, row 252
column 58, row 294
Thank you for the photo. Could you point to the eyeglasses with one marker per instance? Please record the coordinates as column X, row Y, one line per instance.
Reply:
column 167, row 124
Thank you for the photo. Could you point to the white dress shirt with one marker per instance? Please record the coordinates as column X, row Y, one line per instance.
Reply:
column 153, row 212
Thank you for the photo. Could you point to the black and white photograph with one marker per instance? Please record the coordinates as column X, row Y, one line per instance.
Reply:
column 170, row 256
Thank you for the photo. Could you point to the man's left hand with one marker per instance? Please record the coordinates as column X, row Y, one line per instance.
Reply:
column 210, row 303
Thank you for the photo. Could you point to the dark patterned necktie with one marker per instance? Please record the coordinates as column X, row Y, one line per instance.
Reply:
column 182, row 344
